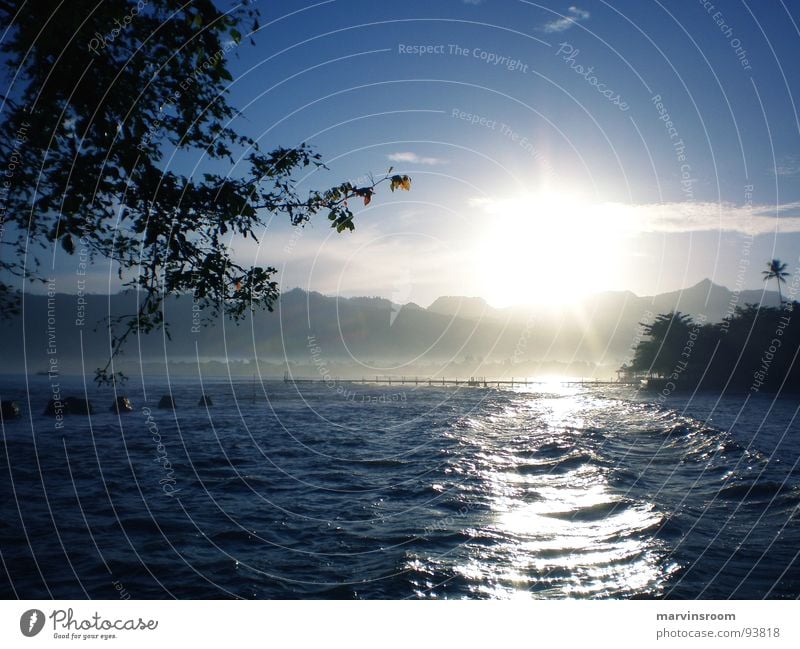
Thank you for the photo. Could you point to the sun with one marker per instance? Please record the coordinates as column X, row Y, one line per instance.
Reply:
column 545, row 248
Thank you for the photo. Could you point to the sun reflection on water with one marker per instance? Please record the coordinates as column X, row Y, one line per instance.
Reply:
column 556, row 527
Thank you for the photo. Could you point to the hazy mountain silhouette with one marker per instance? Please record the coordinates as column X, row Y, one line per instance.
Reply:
column 704, row 297
column 367, row 333
column 459, row 306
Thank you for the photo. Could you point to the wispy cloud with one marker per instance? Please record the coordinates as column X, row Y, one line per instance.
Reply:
column 472, row 2
column 573, row 16
column 788, row 165
column 630, row 219
column 409, row 157
column 709, row 217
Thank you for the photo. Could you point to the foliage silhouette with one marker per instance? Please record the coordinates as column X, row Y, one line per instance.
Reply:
column 776, row 269
column 103, row 94
column 755, row 349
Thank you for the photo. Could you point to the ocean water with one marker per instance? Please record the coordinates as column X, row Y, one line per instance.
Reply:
column 305, row 491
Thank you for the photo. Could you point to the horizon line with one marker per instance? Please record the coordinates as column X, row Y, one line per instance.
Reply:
column 763, row 288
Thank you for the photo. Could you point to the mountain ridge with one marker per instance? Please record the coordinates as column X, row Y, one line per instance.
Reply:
column 371, row 334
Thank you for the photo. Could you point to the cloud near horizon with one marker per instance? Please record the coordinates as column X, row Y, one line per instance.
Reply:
column 675, row 218
column 410, row 157
column 573, row 16
column 708, row 217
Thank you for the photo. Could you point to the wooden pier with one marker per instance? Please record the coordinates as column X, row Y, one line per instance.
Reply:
column 473, row 381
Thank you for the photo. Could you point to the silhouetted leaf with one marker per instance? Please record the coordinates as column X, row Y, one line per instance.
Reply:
column 67, row 244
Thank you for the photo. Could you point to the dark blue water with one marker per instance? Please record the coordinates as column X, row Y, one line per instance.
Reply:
column 287, row 491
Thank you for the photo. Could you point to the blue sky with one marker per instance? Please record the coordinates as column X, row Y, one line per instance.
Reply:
column 521, row 166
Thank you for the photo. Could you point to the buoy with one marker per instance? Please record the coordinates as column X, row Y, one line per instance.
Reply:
column 167, row 402
column 122, row 404
column 10, row 410
column 205, row 401
column 76, row 406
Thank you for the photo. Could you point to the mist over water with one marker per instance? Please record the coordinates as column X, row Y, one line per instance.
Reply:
column 302, row 491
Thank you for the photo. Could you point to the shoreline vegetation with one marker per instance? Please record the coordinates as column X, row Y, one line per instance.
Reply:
column 754, row 350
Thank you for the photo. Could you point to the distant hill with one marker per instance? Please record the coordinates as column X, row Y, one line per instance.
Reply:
column 710, row 299
column 462, row 307
column 359, row 335
column 705, row 297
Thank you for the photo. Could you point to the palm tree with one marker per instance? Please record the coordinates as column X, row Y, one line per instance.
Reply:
column 777, row 270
